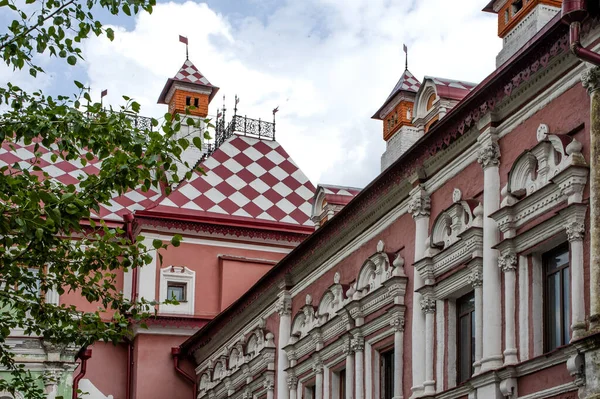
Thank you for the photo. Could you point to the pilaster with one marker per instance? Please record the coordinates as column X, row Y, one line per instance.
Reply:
column 508, row 265
column 575, row 231
column 428, row 308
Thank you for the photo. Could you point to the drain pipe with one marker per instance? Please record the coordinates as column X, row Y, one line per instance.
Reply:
column 84, row 354
column 128, row 219
column 176, row 352
column 574, row 12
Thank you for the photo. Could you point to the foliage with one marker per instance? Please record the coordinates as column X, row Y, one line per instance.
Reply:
column 50, row 238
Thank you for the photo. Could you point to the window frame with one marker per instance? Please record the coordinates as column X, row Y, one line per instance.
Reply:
column 459, row 315
column 386, row 373
column 178, row 284
column 560, row 270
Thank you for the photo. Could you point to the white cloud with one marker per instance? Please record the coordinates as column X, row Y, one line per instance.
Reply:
column 328, row 64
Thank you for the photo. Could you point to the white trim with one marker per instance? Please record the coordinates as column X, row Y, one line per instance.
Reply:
column 217, row 243
column 369, row 371
column 452, row 343
column 147, row 274
column 159, row 330
column 523, row 308
column 537, row 303
column 441, row 333
column 179, row 275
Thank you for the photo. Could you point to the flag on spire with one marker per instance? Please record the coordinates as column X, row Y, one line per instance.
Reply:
column 406, row 58
column 184, row 40
column 104, row 93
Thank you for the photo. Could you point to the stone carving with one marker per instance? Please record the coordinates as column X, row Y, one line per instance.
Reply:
column 308, row 300
column 269, row 383
column 358, row 343
column 428, row 305
column 489, row 154
column 508, row 262
column 591, row 79
column 575, row 231
column 576, row 367
column 336, row 278
column 380, row 246
column 475, row 278
column 456, row 195
column 292, row 381
column 317, row 367
column 397, row 323
column 420, row 203
column 284, row 305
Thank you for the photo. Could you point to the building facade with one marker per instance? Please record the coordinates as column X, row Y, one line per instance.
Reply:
column 463, row 270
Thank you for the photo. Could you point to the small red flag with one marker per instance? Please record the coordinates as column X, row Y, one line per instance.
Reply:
column 104, row 93
column 183, row 39
column 276, row 110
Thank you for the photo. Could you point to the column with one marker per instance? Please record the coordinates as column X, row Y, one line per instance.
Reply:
column 575, row 231
column 284, row 308
column 508, row 265
column 440, row 338
column 523, row 308
column 269, row 386
column 419, row 207
column 292, row 382
column 358, row 346
column 489, row 158
column 397, row 324
column 318, row 369
column 428, row 308
column 476, row 280
column 591, row 81
column 349, row 369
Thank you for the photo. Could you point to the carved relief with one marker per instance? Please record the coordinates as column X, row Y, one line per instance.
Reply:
column 489, row 154
column 508, row 261
column 428, row 305
column 575, row 230
column 420, row 203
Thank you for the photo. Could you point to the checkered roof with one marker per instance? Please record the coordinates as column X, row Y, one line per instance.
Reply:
column 72, row 172
column 246, row 178
column 189, row 73
column 340, row 190
column 407, row 82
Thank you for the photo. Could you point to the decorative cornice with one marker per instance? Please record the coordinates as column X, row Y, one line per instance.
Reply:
column 591, row 79
column 508, row 261
column 428, row 305
column 575, row 230
column 489, row 154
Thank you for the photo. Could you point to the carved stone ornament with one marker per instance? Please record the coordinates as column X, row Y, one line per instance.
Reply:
column 575, row 231
column 420, row 204
column 456, row 195
column 317, row 367
column 508, row 262
column 591, row 79
column 489, row 154
column 336, row 278
column 51, row 377
column 284, row 306
column 358, row 344
column 347, row 347
column 292, row 381
column 397, row 323
column 475, row 278
column 308, row 300
column 428, row 305
column 269, row 384
column 576, row 368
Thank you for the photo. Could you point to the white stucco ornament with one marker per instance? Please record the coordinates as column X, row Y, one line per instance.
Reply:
column 542, row 132
column 456, row 195
column 308, row 300
column 336, row 278
column 380, row 246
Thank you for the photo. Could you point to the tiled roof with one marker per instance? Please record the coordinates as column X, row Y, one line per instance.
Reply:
column 453, row 89
column 71, row 172
column 407, row 83
column 245, row 178
column 340, row 190
column 189, row 73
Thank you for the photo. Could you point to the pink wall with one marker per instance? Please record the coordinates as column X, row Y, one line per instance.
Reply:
column 75, row 298
column 107, row 369
column 237, row 277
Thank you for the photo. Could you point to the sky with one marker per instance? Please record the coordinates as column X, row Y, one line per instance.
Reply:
column 328, row 65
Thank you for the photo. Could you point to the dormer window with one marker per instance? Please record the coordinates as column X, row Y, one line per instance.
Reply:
column 188, row 101
column 516, row 6
column 430, row 101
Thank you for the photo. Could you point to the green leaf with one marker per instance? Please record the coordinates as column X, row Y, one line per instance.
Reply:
column 176, row 240
column 110, row 34
column 197, row 142
column 72, row 60
column 157, row 244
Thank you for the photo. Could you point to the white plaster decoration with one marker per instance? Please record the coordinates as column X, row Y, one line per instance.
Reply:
column 358, row 346
column 440, row 332
column 284, row 308
column 146, row 284
column 575, row 231
column 452, row 222
column 368, row 371
column 476, row 280
column 292, row 382
column 451, row 350
column 489, row 158
column 419, row 207
column 428, row 308
column 508, row 387
column 537, row 289
column 397, row 324
column 349, row 368
column 318, row 370
column 523, row 308
column 180, row 275
column 269, row 386
column 508, row 264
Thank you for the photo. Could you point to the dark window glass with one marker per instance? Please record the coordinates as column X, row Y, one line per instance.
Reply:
column 188, row 101
column 516, row 6
column 465, row 307
column 387, row 375
column 342, row 387
column 176, row 291
column 196, row 102
column 557, row 313
column 312, row 392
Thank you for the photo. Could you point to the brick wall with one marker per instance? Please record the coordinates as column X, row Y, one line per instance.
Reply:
column 179, row 102
column 397, row 118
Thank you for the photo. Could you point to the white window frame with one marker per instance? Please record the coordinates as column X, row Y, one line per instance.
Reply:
column 179, row 275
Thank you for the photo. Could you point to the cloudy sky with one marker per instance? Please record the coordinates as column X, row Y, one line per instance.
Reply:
column 327, row 64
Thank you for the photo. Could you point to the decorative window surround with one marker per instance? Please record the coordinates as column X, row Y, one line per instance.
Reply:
column 540, row 179
column 182, row 275
column 236, row 372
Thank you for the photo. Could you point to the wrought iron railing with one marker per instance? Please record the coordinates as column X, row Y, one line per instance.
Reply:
column 241, row 126
column 141, row 122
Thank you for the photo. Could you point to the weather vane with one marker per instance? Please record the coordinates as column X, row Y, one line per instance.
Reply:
column 184, row 40
column 406, row 58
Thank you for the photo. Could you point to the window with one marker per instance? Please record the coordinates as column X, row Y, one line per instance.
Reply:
column 176, row 291
column 556, row 298
column 196, row 102
column 311, row 392
column 342, row 384
column 516, row 6
column 430, row 101
column 465, row 307
column 188, row 101
column 387, row 375
column 506, row 15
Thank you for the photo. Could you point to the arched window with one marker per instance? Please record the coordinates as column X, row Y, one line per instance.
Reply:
column 430, row 101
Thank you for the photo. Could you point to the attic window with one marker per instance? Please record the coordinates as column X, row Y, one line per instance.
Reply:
column 506, row 15
column 196, row 102
column 188, row 101
column 516, row 6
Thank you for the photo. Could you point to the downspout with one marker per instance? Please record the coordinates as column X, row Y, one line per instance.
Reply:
column 574, row 12
column 84, row 354
column 176, row 352
column 128, row 383
column 128, row 219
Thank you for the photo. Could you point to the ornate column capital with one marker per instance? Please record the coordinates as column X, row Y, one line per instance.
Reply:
column 420, row 203
column 489, row 154
column 284, row 305
column 347, row 346
column 269, row 383
column 508, row 261
column 358, row 343
column 475, row 278
column 292, row 381
column 397, row 323
column 591, row 79
column 575, row 231
column 317, row 366
column 428, row 305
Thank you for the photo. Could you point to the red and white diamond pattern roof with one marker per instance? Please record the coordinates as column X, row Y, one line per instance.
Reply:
column 407, row 82
column 452, row 89
column 340, row 190
column 72, row 172
column 189, row 73
column 245, row 178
